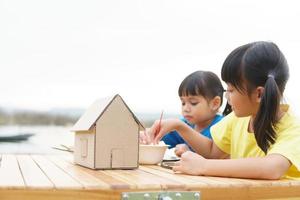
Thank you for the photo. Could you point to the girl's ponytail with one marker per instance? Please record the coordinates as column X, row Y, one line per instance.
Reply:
column 266, row 117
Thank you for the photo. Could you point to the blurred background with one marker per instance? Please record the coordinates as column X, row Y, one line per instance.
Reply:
column 57, row 57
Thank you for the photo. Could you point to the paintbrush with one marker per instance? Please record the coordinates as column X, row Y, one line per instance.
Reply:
column 159, row 123
column 161, row 116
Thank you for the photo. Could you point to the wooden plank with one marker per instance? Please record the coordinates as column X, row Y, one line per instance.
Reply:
column 86, row 179
column 29, row 194
column 194, row 181
column 10, row 174
column 58, row 177
column 19, row 179
column 285, row 192
column 168, row 174
column 216, row 181
column 206, row 194
column 245, row 187
column 115, row 183
column 131, row 181
column 233, row 182
column 124, row 181
column 33, row 176
column 210, row 181
column 146, row 180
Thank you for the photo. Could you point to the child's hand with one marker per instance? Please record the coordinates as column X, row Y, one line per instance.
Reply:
column 180, row 149
column 160, row 128
column 190, row 163
column 144, row 137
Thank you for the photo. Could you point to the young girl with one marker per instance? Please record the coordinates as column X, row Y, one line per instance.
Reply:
column 201, row 95
column 261, row 137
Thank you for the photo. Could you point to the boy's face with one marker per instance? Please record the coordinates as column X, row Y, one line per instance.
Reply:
column 241, row 103
column 196, row 109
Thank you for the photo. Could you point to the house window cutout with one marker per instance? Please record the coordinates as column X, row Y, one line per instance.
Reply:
column 84, row 147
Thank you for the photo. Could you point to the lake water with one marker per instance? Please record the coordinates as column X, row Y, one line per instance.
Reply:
column 42, row 142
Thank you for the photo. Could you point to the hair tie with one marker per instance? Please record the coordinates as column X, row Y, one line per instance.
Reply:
column 271, row 76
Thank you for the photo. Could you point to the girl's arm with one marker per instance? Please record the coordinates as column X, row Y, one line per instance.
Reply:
column 269, row 167
column 200, row 144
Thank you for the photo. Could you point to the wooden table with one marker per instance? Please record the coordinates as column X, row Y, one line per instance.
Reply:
column 56, row 177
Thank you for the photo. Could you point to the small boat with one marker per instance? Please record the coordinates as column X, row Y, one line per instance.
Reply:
column 15, row 137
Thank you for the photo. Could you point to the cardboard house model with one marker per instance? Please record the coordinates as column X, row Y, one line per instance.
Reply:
column 107, row 136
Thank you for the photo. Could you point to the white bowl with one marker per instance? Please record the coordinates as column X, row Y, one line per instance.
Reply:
column 151, row 154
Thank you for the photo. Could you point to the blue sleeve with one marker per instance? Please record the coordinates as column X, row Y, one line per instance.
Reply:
column 172, row 139
column 206, row 131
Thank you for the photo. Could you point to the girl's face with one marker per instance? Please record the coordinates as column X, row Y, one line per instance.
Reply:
column 197, row 110
column 242, row 104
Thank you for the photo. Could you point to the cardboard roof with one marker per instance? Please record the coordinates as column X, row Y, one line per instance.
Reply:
column 95, row 111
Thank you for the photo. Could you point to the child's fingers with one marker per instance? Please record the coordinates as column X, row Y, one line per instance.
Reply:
column 143, row 141
column 157, row 138
column 177, row 167
column 147, row 137
column 143, row 137
column 178, row 152
column 180, row 149
column 153, row 132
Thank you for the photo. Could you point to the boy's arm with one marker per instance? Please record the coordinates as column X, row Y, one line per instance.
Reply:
column 271, row 167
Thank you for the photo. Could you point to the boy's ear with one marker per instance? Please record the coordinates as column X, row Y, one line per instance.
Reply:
column 215, row 103
column 258, row 94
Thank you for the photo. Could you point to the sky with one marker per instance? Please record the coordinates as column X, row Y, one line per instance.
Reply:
column 68, row 53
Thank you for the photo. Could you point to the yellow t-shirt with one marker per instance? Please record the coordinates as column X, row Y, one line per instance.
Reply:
column 231, row 136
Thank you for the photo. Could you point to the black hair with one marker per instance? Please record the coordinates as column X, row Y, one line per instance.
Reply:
column 204, row 83
column 259, row 64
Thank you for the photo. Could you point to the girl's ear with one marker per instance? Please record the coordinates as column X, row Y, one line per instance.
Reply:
column 215, row 103
column 258, row 93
